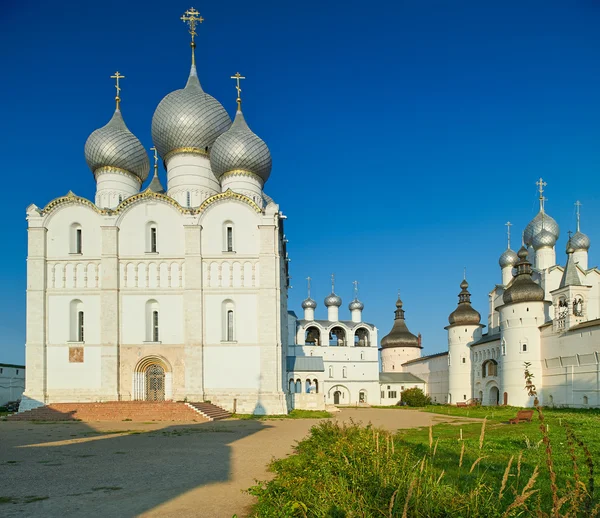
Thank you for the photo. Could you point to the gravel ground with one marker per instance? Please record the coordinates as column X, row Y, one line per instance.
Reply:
column 125, row 469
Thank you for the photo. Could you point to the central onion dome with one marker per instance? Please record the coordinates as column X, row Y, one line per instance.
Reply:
column 399, row 336
column 465, row 314
column 508, row 258
column 188, row 120
column 332, row 300
column 240, row 150
column 114, row 146
column 523, row 288
column 535, row 226
column 356, row 304
column 543, row 239
column 309, row 303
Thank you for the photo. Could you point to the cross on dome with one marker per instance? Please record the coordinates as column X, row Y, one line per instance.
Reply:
column 116, row 77
column 192, row 17
column 508, row 225
column 541, row 184
column 308, row 279
column 237, row 78
column 578, row 205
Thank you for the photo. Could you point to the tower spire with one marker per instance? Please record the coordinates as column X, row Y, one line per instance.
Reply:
column 192, row 18
column 578, row 205
column 237, row 78
column 508, row 225
column 116, row 77
column 541, row 184
column 155, row 160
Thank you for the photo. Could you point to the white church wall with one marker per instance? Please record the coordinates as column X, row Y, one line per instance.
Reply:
column 135, row 318
column 231, row 368
column 62, row 318
column 66, row 378
column 134, row 231
column 243, row 220
column 61, row 236
column 434, row 371
column 244, row 306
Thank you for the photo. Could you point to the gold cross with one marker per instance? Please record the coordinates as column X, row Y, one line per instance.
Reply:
column 117, row 76
column 237, row 78
column 155, row 156
column 541, row 184
column 192, row 17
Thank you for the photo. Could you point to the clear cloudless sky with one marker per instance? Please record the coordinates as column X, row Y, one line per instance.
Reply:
column 404, row 134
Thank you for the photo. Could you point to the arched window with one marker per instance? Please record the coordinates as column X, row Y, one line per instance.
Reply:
column 298, row 386
column 524, row 348
column 312, row 336
column 316, row 384
column 308, row 386
column 331, row 372
column 77, row 327
column 291, row 386
column 228, row 242
column 76, row 239
column 578, row 307
column 151, row 237
column 229, row 331
column 503, row 348
column 337, row 336
column 152, row 321
column 361, row 338
column 585, row 400
column 344, row 372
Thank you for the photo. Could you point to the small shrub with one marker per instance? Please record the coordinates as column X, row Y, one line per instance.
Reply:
column 415, row 397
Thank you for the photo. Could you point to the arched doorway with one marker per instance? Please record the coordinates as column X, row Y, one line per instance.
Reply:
column 152, row 380
column 494, row 396
column 336, row 397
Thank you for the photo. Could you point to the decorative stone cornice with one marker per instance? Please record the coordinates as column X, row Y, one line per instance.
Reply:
column 116, row 170
column 72, row 199
column 242, row 172
column 227, row 195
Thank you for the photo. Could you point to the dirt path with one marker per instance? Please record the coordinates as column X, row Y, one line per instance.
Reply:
column 136, row 469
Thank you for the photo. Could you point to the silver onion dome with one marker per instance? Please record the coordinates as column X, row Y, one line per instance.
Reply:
column 239, row 149
column 114, row 145
column 508, row 258
column 543, row 239
column 309, row 303
column 523, row 288
column 188, row 119
column 542, row 220
column 332, row 300
column 356, row 304
column 579, row 241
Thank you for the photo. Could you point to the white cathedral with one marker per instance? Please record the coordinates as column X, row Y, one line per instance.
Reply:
column 181, row 294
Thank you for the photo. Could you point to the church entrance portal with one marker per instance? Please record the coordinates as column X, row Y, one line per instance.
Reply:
column 494, row 396
column 336, row 397
column 155, row 383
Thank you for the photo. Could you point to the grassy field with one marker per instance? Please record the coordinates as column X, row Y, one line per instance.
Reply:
column 294, row 414
column 496, row 469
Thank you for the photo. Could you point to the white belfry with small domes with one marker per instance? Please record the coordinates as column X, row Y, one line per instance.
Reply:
column 154, row 293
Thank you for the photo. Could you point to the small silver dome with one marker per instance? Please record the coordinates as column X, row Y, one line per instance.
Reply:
column 535, row 227
column 188, row 118
column 508, row 258
column 309, row 303
column 114, row 145
column 333, row 300
column 579, row 241
column 239, row 149
column 356, row 304
column 543, row 239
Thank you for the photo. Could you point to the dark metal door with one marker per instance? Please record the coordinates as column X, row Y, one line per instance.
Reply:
column 336, row 397
column 155, row 383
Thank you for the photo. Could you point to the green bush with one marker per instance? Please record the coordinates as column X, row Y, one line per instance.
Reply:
column 415, row 397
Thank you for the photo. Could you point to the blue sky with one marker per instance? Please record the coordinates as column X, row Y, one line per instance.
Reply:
column 404, row 134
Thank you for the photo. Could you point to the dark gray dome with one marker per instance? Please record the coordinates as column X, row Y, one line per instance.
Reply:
column 188, row 119
column 535, row 226
column 579, row 241
column 399, row 336
column 465, row 314
column 356, row 304
column 309, row 303
column 114, row 145
column 508, row 258
column 522, row 288
column 332, row 300
column 239, row 149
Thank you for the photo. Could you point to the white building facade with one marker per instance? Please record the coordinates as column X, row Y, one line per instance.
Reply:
column 12, row 382
column 162, row 294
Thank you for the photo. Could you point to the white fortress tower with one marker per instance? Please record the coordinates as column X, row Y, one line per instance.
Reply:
column 523, row 312
column 399, row 345
column 464, row 329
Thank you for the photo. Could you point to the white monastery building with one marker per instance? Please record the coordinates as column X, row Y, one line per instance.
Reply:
column 181, row 293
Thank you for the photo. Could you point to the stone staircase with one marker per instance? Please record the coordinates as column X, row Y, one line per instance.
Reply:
column 209, row 411
column 118, row 411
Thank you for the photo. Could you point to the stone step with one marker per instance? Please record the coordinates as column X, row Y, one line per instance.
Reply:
column 210, row 411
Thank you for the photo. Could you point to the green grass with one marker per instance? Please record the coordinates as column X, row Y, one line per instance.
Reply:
column 294, row 414
column 343, row 471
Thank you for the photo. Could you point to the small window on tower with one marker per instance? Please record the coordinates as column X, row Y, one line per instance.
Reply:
column 230, row 239
column 524, row 348
column 464, row 360
column 153, row 239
